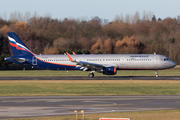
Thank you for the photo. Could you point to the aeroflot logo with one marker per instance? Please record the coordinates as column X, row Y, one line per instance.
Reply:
column 19, row 45
column 139, row 55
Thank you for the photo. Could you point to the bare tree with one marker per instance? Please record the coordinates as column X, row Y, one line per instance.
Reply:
column 127, row 18
column 119, row 18
column 4, row 16
column 137, row 17
column 178, row 19
column 147, row 15
column 27, row 17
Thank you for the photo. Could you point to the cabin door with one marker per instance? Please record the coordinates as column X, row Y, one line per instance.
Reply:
column 156, row 59
column 34, row 60
column 122, row 61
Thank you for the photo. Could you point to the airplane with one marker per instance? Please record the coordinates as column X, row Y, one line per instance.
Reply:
column 107, row 64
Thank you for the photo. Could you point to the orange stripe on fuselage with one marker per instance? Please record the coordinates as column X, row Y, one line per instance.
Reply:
column 55, row 63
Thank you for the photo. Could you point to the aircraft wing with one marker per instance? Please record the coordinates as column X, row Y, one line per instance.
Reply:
column 87, row 65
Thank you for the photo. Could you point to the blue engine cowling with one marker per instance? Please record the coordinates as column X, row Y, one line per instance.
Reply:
column 109, row 70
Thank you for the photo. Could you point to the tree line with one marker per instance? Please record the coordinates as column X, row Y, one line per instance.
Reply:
column 129, row 34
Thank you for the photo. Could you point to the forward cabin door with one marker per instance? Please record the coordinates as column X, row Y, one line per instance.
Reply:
column 156, row 59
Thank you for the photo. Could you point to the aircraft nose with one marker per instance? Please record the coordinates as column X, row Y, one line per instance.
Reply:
column 173, row 64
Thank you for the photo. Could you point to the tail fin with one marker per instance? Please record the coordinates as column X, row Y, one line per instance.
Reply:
column 17, row 46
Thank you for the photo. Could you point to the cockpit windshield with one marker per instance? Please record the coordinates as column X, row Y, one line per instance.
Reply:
column 166, row 59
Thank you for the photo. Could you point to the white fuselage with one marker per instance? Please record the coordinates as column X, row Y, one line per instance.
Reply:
column 120, row 61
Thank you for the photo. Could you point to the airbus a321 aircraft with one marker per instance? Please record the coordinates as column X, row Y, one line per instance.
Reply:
column 108, row 64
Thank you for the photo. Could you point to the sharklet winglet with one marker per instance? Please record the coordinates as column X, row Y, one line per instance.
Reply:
column 70, row 58
column 73, row 53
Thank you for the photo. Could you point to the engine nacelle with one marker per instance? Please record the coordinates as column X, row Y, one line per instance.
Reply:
column 109, row 70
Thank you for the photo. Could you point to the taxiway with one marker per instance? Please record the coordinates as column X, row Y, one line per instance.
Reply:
column 34, row 106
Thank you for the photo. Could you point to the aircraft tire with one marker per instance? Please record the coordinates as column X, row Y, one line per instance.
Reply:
column 91, row 75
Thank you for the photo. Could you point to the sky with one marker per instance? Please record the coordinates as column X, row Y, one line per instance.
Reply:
column 104, row 9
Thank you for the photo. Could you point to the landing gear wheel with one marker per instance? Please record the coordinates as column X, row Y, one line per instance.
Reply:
column 91, row 75
column 156, row 73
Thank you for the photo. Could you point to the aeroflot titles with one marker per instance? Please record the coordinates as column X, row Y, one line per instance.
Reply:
column 139, row 55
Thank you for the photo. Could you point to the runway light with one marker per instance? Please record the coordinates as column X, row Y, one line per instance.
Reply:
column 76, row 114
column 82, row 111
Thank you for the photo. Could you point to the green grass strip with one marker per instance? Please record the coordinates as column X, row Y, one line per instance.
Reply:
column 107, row 87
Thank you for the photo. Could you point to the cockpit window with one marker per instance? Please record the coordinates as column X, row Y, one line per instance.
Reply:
column 166, row 59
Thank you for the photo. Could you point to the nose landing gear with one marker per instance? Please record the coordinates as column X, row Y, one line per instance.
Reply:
column 156, row 73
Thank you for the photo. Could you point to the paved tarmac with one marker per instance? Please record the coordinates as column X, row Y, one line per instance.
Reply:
column 95, row 78
column 34, row 106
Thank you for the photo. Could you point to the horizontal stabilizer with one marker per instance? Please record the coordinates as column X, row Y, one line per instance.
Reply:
column 21, row 60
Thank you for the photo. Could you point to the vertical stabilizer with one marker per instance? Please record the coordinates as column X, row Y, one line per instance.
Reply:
column 17, row 46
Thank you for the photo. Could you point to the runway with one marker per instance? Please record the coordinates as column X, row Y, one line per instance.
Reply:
column 95, row 78
column 18, row 107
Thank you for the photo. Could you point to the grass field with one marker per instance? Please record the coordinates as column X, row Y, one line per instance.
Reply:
column 169, row 72
column 90, row 87
column 142, row 115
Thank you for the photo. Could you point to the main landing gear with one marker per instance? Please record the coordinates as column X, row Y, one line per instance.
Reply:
column 156, row 73
column 91, row 75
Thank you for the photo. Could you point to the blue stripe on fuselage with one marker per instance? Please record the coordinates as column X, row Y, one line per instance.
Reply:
column 54, row 66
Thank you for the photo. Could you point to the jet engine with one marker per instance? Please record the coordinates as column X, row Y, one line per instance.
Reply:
column 108, row 70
